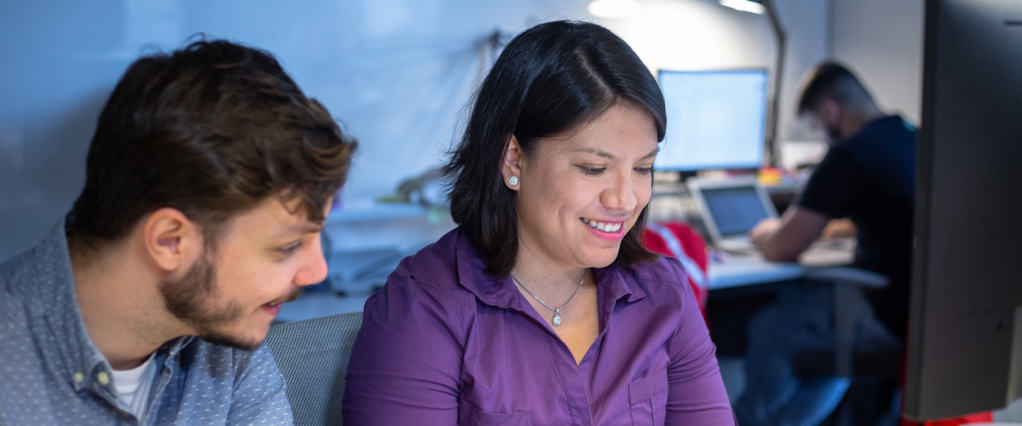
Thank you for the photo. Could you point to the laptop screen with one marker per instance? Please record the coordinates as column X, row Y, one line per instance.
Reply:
column 735, row 210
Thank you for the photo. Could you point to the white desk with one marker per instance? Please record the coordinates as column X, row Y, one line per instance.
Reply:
column 368, row 240
column 751, row 270
column 739, row 270
column 736, row 272
column 818, row 265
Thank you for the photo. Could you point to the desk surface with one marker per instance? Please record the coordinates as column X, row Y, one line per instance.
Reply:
column 735, row 271
column 739, row 270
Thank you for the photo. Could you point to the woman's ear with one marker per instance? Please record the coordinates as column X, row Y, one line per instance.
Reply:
column 511, row 169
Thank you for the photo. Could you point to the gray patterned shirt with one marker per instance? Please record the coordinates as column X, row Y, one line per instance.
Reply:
column 52, row 374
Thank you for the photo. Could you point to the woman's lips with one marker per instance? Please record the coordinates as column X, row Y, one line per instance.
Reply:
column 607, row 230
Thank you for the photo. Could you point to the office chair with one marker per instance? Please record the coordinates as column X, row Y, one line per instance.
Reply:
column 882, row 366
column 847, row 286
column 313, row 357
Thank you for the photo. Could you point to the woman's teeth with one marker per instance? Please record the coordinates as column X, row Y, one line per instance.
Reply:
column 603, row 226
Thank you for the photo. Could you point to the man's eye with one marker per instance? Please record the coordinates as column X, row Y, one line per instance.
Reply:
column 645, row 171
column 592, row 171
column 292, row 249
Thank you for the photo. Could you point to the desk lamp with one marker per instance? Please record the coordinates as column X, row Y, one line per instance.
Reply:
column 759, row 7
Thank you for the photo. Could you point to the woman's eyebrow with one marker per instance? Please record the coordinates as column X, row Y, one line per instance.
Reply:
column 595, row 151
column 610, row 156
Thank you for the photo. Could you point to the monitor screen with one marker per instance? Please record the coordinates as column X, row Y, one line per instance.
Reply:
column 715, row 120
column 736, row 210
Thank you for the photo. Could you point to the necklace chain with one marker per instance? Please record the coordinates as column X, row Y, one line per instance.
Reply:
column 557, row 311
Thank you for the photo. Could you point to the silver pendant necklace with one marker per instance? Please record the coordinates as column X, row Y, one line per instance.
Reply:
column 557, row 311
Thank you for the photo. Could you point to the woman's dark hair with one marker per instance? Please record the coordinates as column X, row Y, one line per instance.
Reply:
column 211, row 130
column 551, row 79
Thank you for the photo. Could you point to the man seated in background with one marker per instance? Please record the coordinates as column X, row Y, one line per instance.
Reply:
column 207, row 183
column 867, row 176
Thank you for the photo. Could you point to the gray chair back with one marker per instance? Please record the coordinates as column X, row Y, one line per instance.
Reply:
column 313, row 357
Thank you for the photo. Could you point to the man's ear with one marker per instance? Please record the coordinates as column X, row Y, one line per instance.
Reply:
column 512, row 165
column 172, row 241
column 831, row 112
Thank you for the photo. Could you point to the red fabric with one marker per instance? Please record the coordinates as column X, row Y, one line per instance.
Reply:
column 694, row 248
column 972, row 418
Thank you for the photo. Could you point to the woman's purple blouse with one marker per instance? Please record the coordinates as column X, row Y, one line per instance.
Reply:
column 444, row 343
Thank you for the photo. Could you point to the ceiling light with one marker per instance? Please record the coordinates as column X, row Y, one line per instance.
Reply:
column 743, row 5
column 614, row 8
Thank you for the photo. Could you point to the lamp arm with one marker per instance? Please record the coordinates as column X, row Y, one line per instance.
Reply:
column 771, row 143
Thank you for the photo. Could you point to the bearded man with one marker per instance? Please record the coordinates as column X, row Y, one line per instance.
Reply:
column 207, row 183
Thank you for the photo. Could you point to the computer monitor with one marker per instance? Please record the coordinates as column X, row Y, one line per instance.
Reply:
column 965, row 338
column 715, row 120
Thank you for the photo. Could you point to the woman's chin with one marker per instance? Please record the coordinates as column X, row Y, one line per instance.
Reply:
column 601, row 258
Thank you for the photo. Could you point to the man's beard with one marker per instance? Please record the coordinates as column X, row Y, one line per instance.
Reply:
column 190, row 300
column 833, row 134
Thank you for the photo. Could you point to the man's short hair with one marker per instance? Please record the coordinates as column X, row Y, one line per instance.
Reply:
column 211, row 130
column 833, row 81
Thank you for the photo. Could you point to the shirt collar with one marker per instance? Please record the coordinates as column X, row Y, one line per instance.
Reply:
column 57, row 302
column 618, row 282
column 886, row 120
column 615, row 281
column 472, row 274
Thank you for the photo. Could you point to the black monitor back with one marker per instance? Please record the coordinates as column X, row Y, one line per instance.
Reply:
column 965, row 349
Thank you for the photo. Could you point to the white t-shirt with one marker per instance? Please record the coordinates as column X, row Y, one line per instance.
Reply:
column 133, row 386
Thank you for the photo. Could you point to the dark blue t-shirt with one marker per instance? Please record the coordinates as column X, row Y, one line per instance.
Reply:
column 870, row 179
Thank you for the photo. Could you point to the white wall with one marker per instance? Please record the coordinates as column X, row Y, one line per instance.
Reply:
column 397, row 73
column 702, row 34
column 882, row 40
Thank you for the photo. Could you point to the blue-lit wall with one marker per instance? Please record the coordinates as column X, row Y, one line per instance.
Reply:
column 397, row 73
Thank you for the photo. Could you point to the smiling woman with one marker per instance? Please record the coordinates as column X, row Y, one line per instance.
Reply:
column 543, row 308
column 550, row 83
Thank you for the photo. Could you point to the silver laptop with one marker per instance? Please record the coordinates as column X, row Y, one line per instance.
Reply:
column 731, row 208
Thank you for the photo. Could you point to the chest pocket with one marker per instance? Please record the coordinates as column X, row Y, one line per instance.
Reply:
column 648, row 397
column 470, row 415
